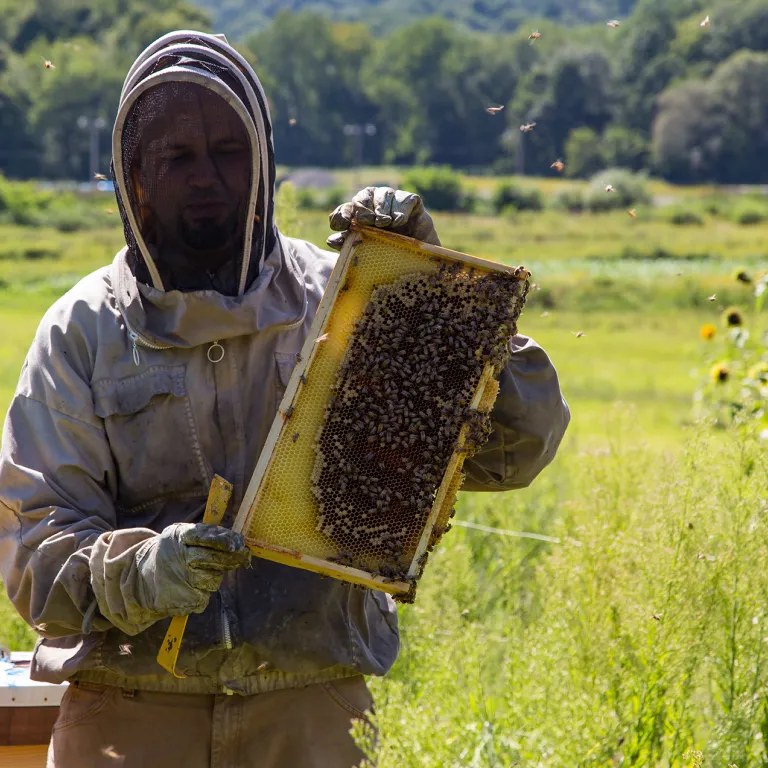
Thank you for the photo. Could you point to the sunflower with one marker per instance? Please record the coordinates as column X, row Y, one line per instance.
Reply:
column 719, row 373
column 708, row 332
column 742, row 276
column 759, row 371
column 732, row 317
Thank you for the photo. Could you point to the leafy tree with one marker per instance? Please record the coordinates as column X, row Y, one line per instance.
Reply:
column 623, row 148
column 583, row 153
column 316, row 90
column 382, row 16
column 432, row 85
column 715, row 129
column 574, row 93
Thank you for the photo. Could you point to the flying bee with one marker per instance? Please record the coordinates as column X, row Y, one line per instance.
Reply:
column 109, row 211
column 292, row 121
column 528, row 127
column 534, row 36
column 124, row 649
column 47, row 64
column 558, row 165
column 324, row 337
column 99, row 177
column 656, row 616
column 579, row 334
column 493, row 110
column 706, row 22
column 632, row 213
column 712, row 297
column 262, row 666
column 614, row 23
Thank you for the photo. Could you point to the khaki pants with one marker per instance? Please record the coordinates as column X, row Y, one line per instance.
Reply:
column 106, row 727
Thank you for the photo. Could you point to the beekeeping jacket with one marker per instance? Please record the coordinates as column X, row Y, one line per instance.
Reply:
column 134, row 394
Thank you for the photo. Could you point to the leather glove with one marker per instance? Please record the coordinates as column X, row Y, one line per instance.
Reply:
column 396, row 210
column 172, row 573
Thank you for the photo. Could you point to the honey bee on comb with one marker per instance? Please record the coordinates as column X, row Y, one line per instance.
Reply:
column 401, row 409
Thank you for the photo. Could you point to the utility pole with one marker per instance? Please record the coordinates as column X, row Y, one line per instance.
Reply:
column 95, row 126
column 359, row 132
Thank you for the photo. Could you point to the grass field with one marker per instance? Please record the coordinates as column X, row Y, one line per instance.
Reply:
column 639, row 638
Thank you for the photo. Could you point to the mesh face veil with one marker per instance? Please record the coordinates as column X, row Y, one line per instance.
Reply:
column 194, row 167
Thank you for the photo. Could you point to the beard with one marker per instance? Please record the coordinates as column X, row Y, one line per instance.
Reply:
column 207, row 235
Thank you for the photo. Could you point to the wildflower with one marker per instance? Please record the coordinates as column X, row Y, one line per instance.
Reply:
column 719, row 373
column 759, row 371
column 708, row 332
column 742, row 276
column 732, row 317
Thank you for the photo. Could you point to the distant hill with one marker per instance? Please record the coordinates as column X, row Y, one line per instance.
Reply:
column 238, row 18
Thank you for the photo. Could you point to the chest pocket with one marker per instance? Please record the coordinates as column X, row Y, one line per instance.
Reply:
column 151, row 430
column 285, row 362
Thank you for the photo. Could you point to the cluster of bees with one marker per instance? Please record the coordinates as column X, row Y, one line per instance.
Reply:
column 402, row 396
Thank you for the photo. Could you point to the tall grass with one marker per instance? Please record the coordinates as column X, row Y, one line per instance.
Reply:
column 640, row 637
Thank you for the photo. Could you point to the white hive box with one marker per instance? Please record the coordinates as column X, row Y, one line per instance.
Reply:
column 28, row 710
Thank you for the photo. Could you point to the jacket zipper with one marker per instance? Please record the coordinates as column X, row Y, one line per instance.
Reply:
column 137, row 340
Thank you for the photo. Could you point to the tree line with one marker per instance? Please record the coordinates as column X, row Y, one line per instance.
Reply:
column 663, row 91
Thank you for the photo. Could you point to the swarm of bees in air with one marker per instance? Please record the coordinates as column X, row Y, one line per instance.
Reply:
column 400, row 409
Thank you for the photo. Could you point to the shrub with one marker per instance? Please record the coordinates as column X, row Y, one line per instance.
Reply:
column 570, row 200
column 305, row 199
column 683, row 217
column 748, row 212
column 508, row 195
column 22, row 203
column 628, row 189
column 439, row 186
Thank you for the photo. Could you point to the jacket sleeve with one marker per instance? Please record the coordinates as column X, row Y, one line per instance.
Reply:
column 529, row 419
column 57, row 485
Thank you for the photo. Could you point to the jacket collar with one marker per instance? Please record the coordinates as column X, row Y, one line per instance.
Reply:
column 276, row 300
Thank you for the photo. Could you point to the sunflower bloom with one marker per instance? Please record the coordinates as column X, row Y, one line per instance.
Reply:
column 719, row 373
column 732, row 317
column 708, row 332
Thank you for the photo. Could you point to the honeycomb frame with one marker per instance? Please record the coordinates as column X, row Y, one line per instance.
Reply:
column 283, row 476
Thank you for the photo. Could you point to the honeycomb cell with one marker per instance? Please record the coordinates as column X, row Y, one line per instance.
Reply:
column 365, row 471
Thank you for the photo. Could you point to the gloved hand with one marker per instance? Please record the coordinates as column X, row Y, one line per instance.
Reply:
column 396, row 210
column 172, row 573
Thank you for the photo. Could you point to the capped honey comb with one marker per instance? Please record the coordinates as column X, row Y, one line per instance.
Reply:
column 393, row 390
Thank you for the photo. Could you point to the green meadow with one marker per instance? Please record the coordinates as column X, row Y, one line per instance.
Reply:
column 639, row 636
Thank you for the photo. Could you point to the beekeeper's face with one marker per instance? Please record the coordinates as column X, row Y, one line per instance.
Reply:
column 194, row 173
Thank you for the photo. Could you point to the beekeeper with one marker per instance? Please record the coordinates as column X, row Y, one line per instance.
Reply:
column 157, row 372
